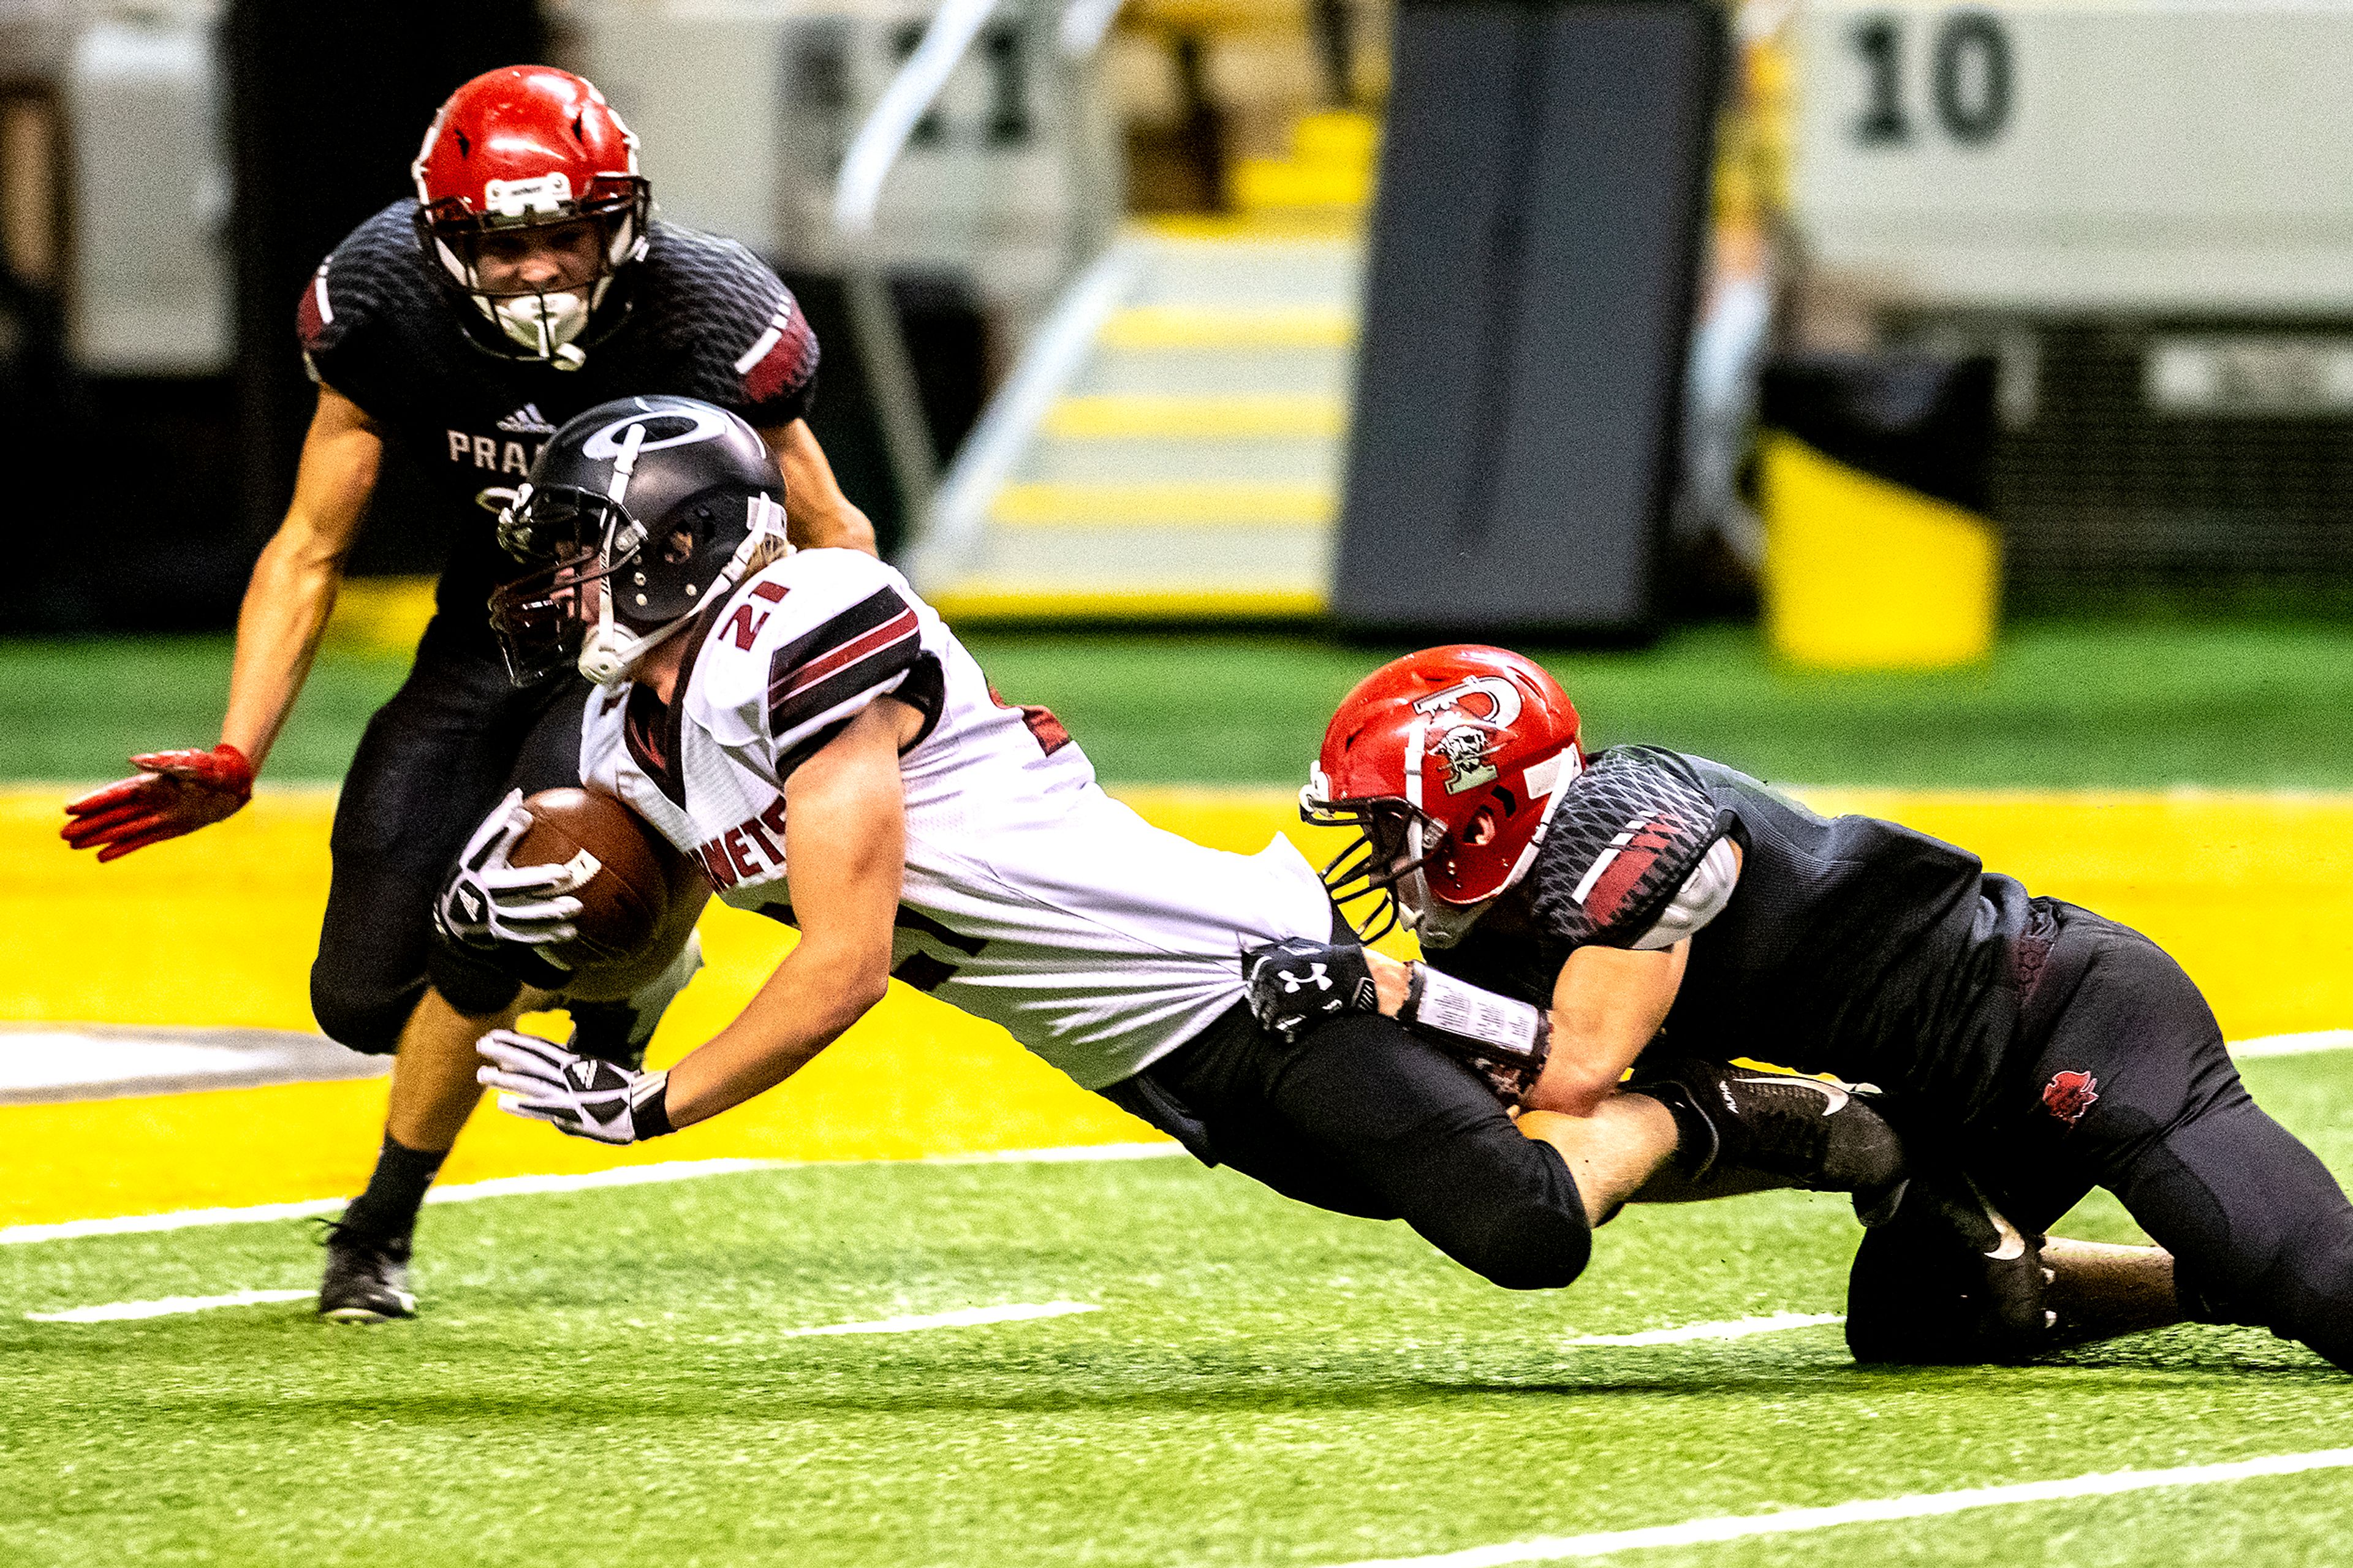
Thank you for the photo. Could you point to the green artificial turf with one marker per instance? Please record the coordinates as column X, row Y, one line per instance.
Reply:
column 77, row 709
column 2128, row 704
column 600, row 1379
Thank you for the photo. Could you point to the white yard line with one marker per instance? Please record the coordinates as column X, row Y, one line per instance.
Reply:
column 1878, row 1510
column 513, row 1186
column 970, row 1317
column 170, row 1306
column 504, row 1186
column 1068, row 1152
column 1734, row 1329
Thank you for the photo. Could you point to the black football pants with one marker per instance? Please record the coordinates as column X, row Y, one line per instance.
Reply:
column 455, row 737
column 1361, row 1118
column 2124, row 1083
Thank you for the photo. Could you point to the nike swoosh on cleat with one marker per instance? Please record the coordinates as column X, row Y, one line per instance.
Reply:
column 2008, row 1243
column 2013, row 1244
column 1835, row 1097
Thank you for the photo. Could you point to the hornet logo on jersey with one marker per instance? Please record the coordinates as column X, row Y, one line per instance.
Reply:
column 2069, row 1095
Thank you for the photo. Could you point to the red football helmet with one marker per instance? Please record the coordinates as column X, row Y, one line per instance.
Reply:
column 529, row 159
column 1451, row 762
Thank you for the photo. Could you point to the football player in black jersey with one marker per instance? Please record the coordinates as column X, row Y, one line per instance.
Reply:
column 527, row 281
column 1580, row 916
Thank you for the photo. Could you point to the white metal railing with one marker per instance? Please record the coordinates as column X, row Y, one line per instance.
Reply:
column 875, row 150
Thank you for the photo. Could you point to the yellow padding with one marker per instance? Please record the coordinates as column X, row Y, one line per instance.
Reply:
column 1336, row 136
column 220, row 928
column 1273, row 224
column 1208, row 503
column 1264, row 183
column 1863, row 574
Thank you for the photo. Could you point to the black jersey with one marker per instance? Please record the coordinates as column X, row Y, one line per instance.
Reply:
column 697, row 315
column 1849, row 946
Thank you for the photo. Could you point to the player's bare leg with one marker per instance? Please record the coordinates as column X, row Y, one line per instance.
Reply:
column 433, row 1092
column 433, row 1086
column 1613, row 1152
column 2101, row 1291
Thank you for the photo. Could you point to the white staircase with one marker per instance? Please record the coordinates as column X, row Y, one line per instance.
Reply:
column 1170, row 446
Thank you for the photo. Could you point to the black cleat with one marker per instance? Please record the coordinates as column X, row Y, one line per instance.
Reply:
column 1817, row 1135
column 367, row 1280
column 1947, row 1280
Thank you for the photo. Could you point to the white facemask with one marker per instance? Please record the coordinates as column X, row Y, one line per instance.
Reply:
column 611, row 652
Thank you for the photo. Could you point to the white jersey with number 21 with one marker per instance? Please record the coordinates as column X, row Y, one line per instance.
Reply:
column 1031, row 897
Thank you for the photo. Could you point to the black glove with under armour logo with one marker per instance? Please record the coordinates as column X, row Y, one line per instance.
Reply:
column 1294, row 984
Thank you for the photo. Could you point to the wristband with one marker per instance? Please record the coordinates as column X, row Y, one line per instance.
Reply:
column 650, row 1116
column 1497, row 1026
column 1504, row 1041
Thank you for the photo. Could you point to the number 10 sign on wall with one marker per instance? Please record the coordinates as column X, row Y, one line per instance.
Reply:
column 2077, row 155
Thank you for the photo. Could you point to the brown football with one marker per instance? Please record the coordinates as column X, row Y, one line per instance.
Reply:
column 636, row 906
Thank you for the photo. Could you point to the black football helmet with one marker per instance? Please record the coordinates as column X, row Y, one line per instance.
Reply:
column 637, row 514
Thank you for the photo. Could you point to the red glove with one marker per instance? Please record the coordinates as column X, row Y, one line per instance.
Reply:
column 174, row 793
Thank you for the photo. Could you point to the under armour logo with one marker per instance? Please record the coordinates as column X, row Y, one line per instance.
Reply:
column 1294, row 984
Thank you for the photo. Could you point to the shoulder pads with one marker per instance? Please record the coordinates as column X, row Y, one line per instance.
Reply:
column 375, row 271
column 804, row 646
column 736, row 317
column 1632, row 828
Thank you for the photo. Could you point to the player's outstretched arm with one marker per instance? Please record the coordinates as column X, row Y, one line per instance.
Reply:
column 1608, row 1004
column 846, row 841
column 816, row 514
column 295, row 581
column 285, row 610
column 1610, row 1001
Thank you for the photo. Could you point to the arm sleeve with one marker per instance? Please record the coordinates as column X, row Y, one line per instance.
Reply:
column 331, row 323
column 1636, row 829
column 1700, row 900
column 757, row 324
column 779, row 368
column 319, row 327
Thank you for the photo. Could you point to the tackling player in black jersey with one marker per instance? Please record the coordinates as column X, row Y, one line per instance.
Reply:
column 1580, row 917
column 527, row 281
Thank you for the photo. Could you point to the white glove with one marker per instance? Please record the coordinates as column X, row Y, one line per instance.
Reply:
column 588, row 1098
column 487, row 902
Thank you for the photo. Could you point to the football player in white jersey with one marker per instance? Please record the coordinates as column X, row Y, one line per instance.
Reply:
column 812, row 733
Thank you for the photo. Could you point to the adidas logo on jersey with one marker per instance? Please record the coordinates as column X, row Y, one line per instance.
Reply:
column 527, row 421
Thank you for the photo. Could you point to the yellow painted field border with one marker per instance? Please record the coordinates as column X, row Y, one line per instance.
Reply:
column 220, row 928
